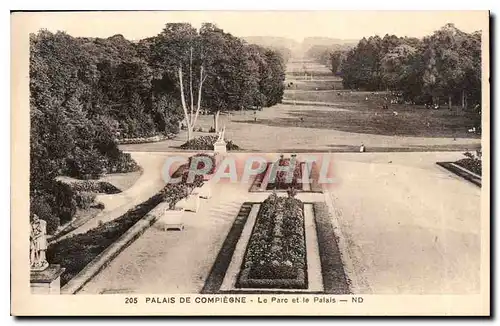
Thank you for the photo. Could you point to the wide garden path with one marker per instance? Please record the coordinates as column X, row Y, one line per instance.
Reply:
column 178, row 261
column 408, row 225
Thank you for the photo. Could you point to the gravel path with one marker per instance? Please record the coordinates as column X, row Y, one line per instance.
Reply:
column 409, row 227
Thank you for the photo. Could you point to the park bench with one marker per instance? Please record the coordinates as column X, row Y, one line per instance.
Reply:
column 171, row 219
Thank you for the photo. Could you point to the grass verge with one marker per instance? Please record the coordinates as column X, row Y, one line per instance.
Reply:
column 218, row 271
column 332, row 269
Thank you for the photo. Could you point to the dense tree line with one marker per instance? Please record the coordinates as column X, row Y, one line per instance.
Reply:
column 444, row 67
column 86, row 93
column 324, row 54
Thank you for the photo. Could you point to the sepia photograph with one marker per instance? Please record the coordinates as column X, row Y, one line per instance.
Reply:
column 191, row 162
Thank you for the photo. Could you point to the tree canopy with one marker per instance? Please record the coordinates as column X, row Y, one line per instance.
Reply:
column 87, row 93
column 446, row 64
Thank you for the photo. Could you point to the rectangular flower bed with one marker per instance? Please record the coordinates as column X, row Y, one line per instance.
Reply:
column 282, row 182
column 275, row 256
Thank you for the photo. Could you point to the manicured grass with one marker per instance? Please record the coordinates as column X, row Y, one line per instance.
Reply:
column 451, row 166
column 218, row 271
column 421, row 123
column 315, row 185
column 335, row 280
column 318, row 84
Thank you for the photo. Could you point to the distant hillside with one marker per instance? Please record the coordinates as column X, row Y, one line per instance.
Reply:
column 326, row 43
column 272, row 41
column 316, row 40
column 301, row 48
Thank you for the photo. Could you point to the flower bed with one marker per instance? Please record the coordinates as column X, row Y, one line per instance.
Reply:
column 259, row 178
column 276, row 253
column 207, row 143
column 201, row 164
column 281, row 182
column 471, row 163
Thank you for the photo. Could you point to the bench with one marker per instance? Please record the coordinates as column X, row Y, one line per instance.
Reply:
column 172, row 220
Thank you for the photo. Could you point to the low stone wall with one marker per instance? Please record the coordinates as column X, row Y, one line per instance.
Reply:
column 104, row 258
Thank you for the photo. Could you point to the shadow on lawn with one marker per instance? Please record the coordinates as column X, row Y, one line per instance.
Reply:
column 413, row 123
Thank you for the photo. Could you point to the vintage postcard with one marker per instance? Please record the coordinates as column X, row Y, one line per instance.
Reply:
column 250, row 163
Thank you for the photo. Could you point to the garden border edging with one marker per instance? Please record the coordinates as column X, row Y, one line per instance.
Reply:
column 104, row 258
column 462, row 172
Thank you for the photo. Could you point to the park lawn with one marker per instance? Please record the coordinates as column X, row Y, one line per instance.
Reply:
column 312, row 85
column 352, row 112
column 417, row 123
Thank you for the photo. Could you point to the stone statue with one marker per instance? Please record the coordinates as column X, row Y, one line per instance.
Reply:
column 221, row 135
column 38, row 244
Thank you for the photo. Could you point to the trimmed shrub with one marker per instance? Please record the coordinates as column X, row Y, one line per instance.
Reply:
column 206, row 143
column 86, row 164
column 94, row 186
column 471, row 162
column 84, row 200
column 64, row 201
column 123, row 164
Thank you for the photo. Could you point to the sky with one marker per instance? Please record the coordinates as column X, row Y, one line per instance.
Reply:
column 291, row 24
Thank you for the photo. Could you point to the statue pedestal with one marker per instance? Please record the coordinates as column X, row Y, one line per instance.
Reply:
column 47, row 281
column 220, row 151
column 220, row 148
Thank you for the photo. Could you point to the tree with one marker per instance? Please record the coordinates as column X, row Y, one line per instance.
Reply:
column 336, row 59
column 191, row 114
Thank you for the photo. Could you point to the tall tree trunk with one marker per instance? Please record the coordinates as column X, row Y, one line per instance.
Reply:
column 449, row 102
column 463, row 99
column 191, row 81
column 200, row 88
column 184, row 107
